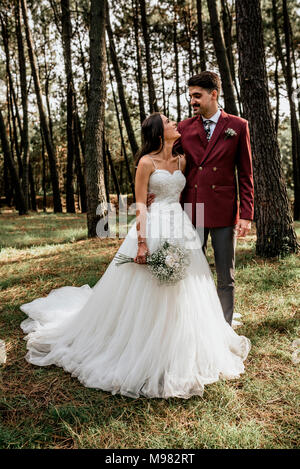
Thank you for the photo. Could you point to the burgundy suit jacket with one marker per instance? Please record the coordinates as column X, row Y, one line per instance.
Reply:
column 210, row 171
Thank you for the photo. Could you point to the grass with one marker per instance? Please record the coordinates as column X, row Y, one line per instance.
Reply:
column 47, row 408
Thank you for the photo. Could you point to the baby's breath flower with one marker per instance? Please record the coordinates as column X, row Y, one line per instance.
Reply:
column 168, row 263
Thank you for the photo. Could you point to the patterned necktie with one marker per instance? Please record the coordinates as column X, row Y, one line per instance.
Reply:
column 206, row 124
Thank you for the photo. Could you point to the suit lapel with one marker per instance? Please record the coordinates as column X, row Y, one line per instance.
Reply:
column 222, row 121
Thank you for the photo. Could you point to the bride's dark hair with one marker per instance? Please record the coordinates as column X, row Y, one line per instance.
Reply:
column 152, row 136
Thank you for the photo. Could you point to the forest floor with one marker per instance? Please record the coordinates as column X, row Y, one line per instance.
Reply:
column 44, row 407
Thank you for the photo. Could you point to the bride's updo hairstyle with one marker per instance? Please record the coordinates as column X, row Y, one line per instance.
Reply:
column 152, row 136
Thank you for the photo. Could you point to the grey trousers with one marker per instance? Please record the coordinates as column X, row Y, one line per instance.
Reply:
column 223, row 242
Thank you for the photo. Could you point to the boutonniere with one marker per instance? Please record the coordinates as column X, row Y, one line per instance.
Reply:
column 230, row 133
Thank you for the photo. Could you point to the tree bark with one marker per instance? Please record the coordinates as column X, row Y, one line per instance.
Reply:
column 162, row 82
column 201, row 36
column 66, row 28
column 293, row 114
column 113, row 172
column 152, row 95
column 118, row 75
column 223, row 64
column 23, row 82
column 95, row 185
column 287, row 73
column 122, row 138
column 176, row 68
column 138, row 60
column 32, row 188
column 20, row 199
column 274, row 223
column 227, row 28
column 43, row 118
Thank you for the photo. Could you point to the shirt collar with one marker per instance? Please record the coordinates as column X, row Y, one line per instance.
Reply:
column 213, row 118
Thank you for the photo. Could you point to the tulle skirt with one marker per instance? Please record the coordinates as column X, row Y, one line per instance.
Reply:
column 129, row 335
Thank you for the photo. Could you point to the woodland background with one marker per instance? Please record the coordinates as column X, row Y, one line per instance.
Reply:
column 75, row 83
column 50, row 156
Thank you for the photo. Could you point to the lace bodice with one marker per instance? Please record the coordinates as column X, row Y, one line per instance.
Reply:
column 166, row 186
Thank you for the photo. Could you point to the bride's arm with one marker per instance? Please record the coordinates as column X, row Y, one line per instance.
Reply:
column 141, row 185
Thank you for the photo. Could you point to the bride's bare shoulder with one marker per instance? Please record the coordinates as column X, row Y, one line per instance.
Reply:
column 145, row 162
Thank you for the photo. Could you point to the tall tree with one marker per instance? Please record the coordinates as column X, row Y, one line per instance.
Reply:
column 118, row 75
column 227, row 19
column 19, row 195
column 43, row 118
column 66, row 28
column 135, row 10
column 201, row 36
column 152, row 95
column 123, row 147
column 293, row 114
column 274, row 223
column 95, row 184
column 24, row 97
column 287, row 73
column 176, row 66
column 223, row 64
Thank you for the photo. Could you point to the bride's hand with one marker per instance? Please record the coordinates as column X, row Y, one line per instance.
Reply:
column 142, row 253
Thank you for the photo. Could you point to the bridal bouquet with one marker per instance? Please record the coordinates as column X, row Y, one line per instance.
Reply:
column 168, row 263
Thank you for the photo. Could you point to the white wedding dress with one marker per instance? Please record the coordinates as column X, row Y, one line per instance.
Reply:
column 128, row 334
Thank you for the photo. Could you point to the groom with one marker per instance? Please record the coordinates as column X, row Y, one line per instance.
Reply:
column 216, row 144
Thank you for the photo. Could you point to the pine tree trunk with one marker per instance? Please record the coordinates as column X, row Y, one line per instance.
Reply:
column 113, row 172
column 95, row 185
column 227, row 28
column 43, row 118
column 176, row 69
column 163, row 82
column 105, row 168
column 122, row 139
column 294, row 121
column 66, row 42
column 138, row 60
column 223, row 64
column 152, row 96
column 19, row 195
column 201, row 36
column 276, row 79
column 32, row 188
column 123, row 103
column 44, row 175
column 287, row 73
column 274, row 223
column 23, row 81
column 79, row 171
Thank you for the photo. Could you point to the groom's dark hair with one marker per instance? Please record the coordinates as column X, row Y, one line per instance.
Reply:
column 207, row 80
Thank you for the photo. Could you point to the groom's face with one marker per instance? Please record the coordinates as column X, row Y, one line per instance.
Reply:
column 202, row 101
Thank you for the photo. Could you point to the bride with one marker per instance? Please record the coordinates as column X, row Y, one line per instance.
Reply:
column 129, row 334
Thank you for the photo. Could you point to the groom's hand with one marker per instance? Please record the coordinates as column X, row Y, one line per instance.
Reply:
column 150, row 198
column 242, row 228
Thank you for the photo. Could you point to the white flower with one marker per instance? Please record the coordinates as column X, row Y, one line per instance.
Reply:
column 230, row 133
column 170, row 261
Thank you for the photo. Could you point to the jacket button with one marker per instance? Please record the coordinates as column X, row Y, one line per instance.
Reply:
column 196, row 186
column 214, row 169
column 213, row 186
column 200, row 167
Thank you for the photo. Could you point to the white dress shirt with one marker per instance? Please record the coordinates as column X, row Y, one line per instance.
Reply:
column 214, row 120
